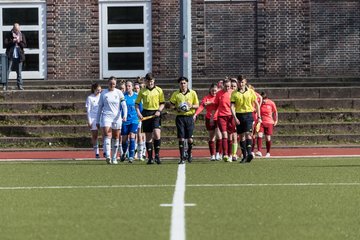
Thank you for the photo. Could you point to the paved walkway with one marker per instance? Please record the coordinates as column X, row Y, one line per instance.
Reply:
column 56, row 154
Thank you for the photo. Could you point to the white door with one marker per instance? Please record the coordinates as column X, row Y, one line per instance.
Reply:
column 32, row 20
column 125, row 38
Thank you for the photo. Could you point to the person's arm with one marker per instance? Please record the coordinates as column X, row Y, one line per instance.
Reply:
column 275, row 114
column 257, row 108
column 124, row 110
column 101, row 105
column 233, row 112
column 22, row 43
column 88, row 110
column 161, row 103
column 137, row 105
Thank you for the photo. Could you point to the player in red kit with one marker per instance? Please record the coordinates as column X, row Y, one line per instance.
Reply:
column 226, row 120
column 211, row 124
column 269, row 117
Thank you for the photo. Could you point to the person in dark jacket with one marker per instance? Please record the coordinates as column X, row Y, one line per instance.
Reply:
column 15, row 43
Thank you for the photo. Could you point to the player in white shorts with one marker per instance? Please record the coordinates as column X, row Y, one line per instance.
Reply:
column 92, row 106
column 110, row 119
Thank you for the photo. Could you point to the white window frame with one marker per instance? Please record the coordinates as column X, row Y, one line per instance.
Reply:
column 103, row 32
column 41, row 28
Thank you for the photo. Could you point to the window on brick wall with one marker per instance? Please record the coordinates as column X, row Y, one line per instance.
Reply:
column 125, row 38
column 31, row 18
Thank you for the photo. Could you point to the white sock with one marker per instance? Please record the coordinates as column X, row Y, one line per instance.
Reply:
column 96, row 147
column 107, row 143
column 140, row 150
column 115, row 148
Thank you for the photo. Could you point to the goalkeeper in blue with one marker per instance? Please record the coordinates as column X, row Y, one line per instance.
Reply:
column 130, row 127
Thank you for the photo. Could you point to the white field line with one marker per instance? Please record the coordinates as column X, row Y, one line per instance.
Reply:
column 189, row 185
column 177, row 228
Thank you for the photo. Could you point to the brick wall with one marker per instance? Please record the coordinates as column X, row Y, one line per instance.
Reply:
column 72, row 38
column 266, row 38
column 166, row 38
column 227, row 47
column 286, row 45
column 335, row 38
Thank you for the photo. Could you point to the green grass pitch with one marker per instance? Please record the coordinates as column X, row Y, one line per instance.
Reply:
column 282, row 199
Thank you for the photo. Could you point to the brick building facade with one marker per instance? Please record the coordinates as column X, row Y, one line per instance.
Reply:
column 263, row 38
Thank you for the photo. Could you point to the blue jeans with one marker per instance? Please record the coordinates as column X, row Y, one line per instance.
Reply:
column 18, row 68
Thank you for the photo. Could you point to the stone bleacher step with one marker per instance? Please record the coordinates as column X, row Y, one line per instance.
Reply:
column 80, row 130
column 85, row 142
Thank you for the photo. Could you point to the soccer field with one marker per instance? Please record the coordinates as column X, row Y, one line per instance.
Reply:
column 304, row 198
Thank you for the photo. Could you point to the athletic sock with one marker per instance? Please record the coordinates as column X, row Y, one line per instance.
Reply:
column 157, row 144
column 189, row 150
column 259, row 143
column 229, row 147
column 248, row 145
column 268, row 146
column 211, row 148
column 243, row 148
column 115, row 148
column 234, row 149
column 107, row 146
column 96, row 147
column 124, row 147
column 139, row 150
column 219, row 146
column 181, row 149
column 149, row 149
column 225, row 146
column 132, row 148
column 253, row 144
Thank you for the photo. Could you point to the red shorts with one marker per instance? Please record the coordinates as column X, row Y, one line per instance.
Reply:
column 210, row 127
column 227, row 124
column 266, row 128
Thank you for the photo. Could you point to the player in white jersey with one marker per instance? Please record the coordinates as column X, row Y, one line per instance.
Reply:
column 92, row 106
column 109, row 118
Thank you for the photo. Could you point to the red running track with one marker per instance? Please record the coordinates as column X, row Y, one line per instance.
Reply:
column 173, row 153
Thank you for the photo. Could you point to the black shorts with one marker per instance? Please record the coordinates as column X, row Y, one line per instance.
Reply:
column 184, row 126
column 149, row 125
column 246, row 122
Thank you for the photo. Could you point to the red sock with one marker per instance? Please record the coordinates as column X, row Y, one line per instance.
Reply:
column 219, row 146
column 268, row 146
column 229, row 147
column 259, row 143
column 212, row 148
column 225, row 145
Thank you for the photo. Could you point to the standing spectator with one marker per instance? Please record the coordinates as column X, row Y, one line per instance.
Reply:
column 15, row 42
column 185, row 101
column 109, row 118
column 242, row 106
column 92, row 106
column 153, row 100
column 211, row 124
column 225, row 119
column 130, row 127
column 269, row 116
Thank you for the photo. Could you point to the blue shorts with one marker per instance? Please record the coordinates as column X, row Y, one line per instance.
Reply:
column 129, row 128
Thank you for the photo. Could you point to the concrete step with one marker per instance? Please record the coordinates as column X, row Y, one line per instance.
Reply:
column 169, row 129
column 173, row 85
column 73, row 95
column 85, row 142
column 284, row 117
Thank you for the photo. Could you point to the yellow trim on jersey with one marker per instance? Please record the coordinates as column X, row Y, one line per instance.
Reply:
column 190, row 96
column 244, row 102
column 151, row 98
